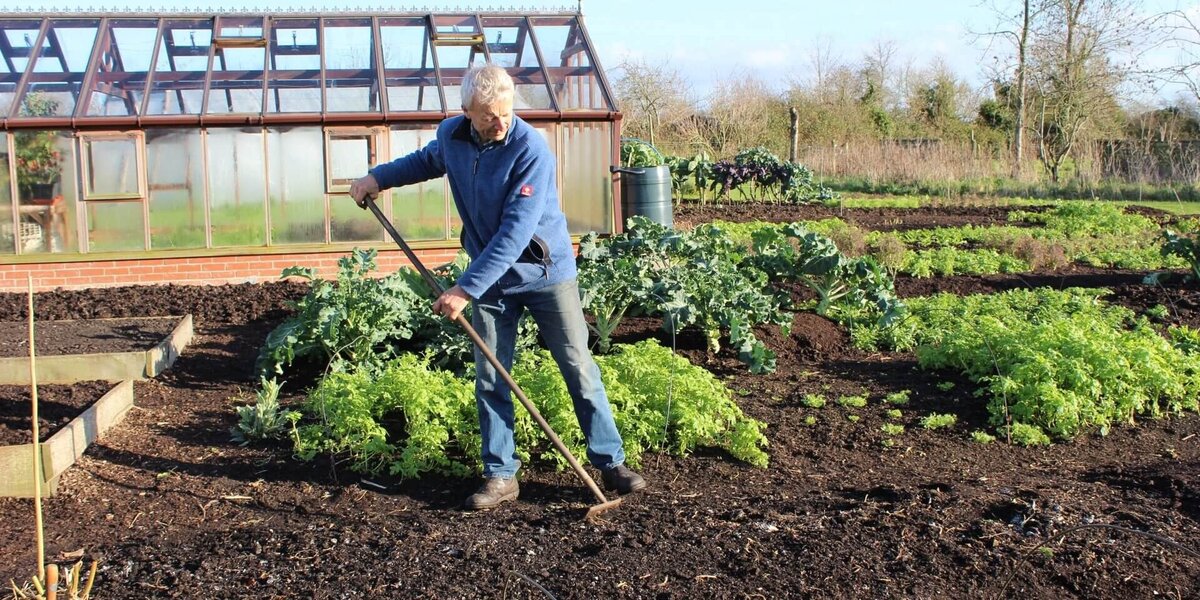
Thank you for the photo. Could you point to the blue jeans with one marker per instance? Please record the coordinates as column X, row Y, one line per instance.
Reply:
column 559, row 317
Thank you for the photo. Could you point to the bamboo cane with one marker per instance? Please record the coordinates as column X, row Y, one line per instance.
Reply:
column 37, row 448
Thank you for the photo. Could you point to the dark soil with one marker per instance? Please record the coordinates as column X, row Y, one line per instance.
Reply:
column 94, row 336
column 57, row 405
column 171, row 508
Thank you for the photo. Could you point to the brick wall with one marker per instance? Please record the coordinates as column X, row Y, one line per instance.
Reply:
column 190, row 271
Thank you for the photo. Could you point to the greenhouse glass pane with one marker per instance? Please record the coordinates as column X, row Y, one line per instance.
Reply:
column 20, row 35
column 297, row 185
column 115, row 226
column 58, row 70
column 454, row 61
column 349, row 159
column 236, row 194
column 419, row 211
column 47, row 195
column 177, row 86
column 573, row 75
column 237, row 81
column 295, row 67
column 175, row 173
column 120, row 79
column 7, row 244
column 349, row 223
column 112, row 167
column 587, row 186
column 350, row 74
column 408, row 64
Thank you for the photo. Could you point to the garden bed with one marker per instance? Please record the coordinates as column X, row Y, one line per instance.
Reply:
column 171, row 508
column 111, row 349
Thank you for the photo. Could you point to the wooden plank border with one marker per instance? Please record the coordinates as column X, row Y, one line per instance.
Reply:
column 111, row 366
column 64, row 447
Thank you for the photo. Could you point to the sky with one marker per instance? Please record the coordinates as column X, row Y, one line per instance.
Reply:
column 708, row 41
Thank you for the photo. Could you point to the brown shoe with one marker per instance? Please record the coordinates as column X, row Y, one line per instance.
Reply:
column 622, row 479
column 494, row 492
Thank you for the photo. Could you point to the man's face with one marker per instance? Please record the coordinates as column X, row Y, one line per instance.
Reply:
column 491, row 121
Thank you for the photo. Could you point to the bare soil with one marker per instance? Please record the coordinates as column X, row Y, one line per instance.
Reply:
column 57, row 405
column 172, row 509
column 89, row 336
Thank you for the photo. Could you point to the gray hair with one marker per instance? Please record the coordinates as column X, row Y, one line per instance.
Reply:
column 485, row 85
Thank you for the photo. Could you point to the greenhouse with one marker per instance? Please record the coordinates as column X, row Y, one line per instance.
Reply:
column 141, row 138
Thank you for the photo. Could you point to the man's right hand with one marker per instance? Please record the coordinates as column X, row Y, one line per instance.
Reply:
column 363, row 188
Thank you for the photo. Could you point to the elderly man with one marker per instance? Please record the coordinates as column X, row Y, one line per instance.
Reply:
column 502, row 175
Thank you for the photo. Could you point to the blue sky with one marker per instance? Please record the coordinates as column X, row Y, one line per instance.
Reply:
column 774, row 40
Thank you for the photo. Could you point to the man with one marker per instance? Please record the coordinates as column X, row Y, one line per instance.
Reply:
column 502, row 176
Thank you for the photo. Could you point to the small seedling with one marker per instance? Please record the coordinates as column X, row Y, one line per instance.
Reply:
column 982, row 437
column 945, row 386
column 852, row 401
column 1157, row 312
column 1046, row 552
column 887, row 442
column 899, row 398
column 892, row 429
column 938, row 421
column 853, row 418
column 813, row 400
column 810, row 420
column 893, row 414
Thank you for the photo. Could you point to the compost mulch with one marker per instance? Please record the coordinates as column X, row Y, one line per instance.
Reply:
column 170, row 507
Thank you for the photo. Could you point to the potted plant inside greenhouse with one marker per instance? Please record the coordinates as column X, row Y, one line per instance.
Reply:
column 645, row 182
column 38, row 158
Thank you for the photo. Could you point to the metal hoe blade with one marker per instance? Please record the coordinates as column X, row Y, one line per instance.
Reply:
column 603, row 504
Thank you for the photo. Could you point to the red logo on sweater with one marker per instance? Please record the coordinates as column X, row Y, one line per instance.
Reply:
column 526, row 190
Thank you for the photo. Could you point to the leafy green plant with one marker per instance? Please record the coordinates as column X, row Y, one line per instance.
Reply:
column 344, row 322
column 757, row 174
column 892, row 429
column 1029, row 435
column 938, row 421
column 980, row 436
column 695, row 278
column 688, row 174
column 810, row 420
column 853, row 418
column 899, row 398
column 264, row 419
column 849, row 287
column 1184, row 246
column 852, row 401
column 813, row 400
column 636, row 153
column 894, row 414
column 1058, row 362
column 409, row 418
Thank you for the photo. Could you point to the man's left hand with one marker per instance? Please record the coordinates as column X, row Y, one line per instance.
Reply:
column 451, row 303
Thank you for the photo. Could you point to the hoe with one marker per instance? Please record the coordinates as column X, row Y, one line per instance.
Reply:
column 604, row 504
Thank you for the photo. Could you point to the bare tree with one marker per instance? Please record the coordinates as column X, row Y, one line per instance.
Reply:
column 1180, row 30
column 823, row 62
column 653, row 97
column 1075, row 71
column 1015, row 26
column 744, row 112
column 877, row 69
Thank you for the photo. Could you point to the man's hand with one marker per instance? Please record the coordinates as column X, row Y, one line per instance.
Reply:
column 363, row 188
column 451, row 303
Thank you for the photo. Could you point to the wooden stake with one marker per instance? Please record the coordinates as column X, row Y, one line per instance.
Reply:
column 37, row 450
column 52, row 582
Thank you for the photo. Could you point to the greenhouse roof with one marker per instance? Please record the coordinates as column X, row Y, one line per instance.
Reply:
column 134, row 69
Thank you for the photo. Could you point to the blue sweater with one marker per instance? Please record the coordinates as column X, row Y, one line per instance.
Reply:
column 506, row 194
